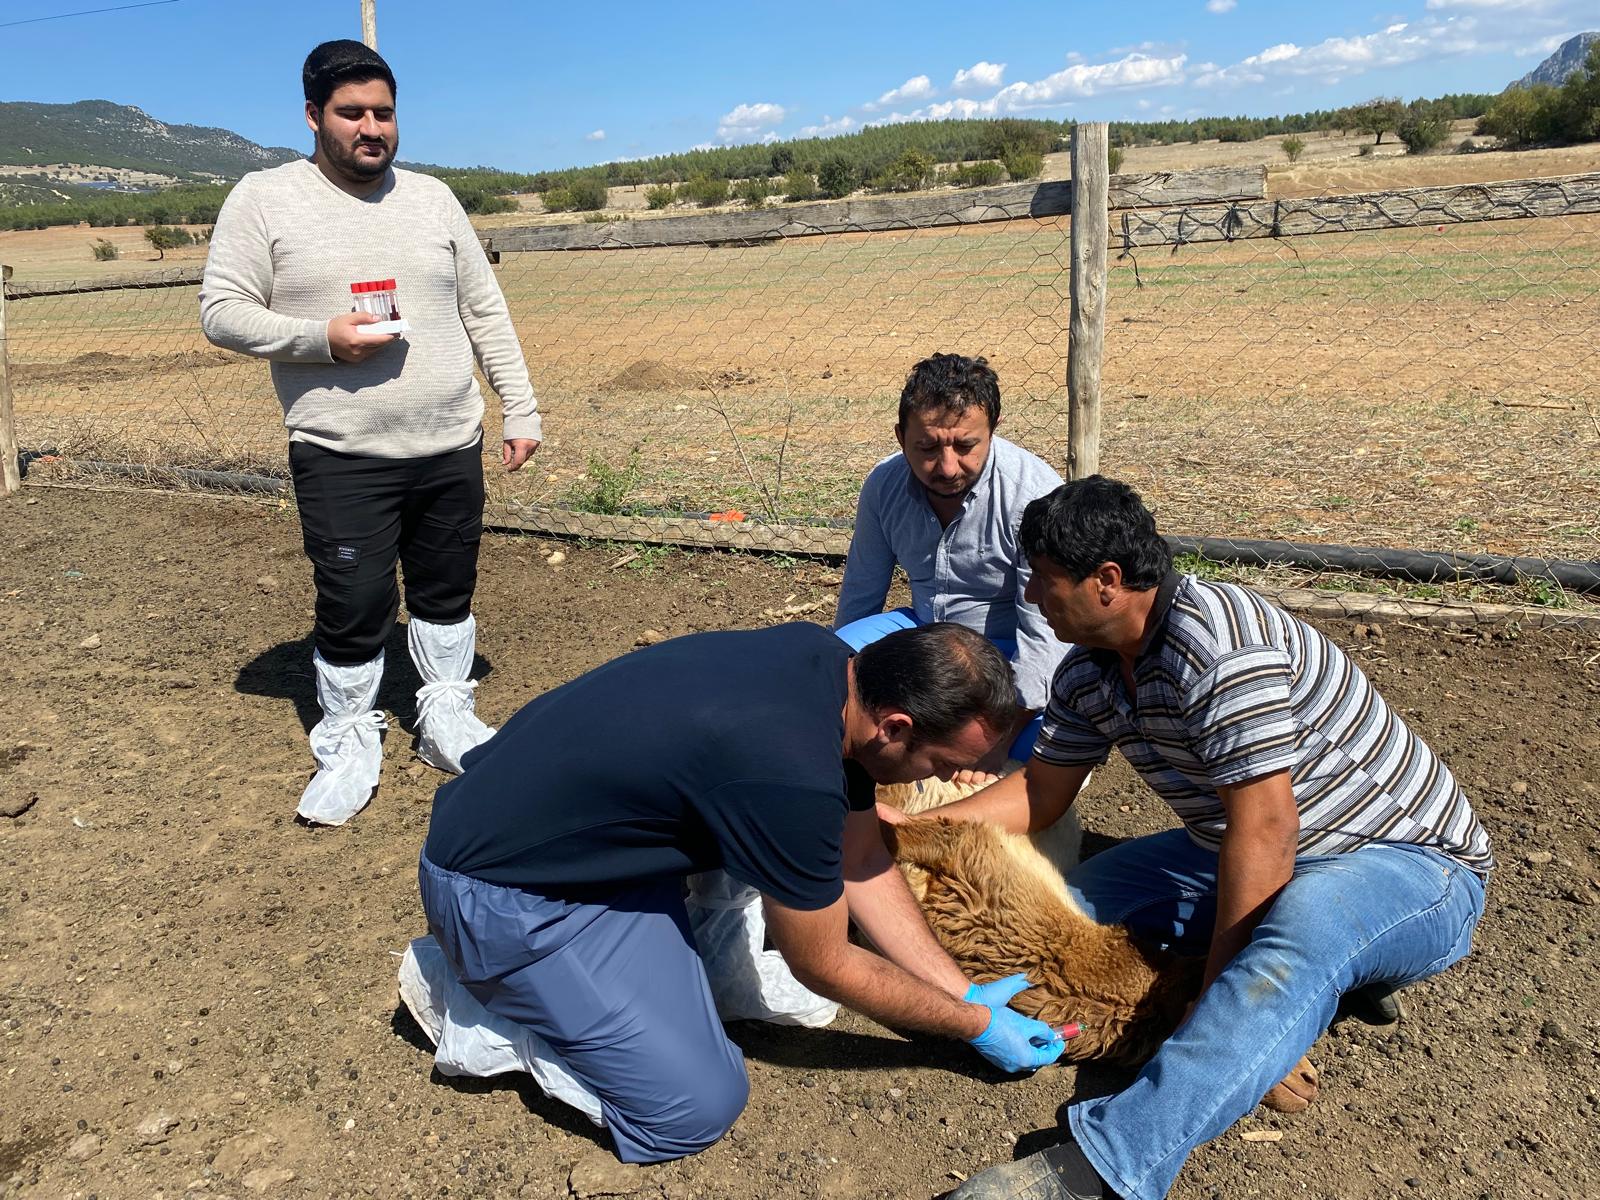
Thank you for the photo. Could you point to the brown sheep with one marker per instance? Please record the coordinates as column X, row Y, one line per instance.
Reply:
column 998, row 907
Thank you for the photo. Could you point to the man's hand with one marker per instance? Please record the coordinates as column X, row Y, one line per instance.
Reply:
column 348, row 343
column 516, row 451
column 1012, row 1041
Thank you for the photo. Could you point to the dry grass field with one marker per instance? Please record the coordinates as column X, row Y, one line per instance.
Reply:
column 1420, row 387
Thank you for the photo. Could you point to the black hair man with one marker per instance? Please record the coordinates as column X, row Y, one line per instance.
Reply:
column 385, row 430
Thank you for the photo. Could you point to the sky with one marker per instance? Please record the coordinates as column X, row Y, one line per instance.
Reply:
column 533, row 86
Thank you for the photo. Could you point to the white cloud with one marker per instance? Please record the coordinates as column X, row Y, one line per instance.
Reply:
column 979, row 75
column 746, row 122
column 1498, row 5
column 599, row 135
column 828, row 127
column 1078, row 80
column 1075, row 82
column 1337, row 58
column 1221, row 6
column 1136, row 70
column 918, row 87
column 1543, row 47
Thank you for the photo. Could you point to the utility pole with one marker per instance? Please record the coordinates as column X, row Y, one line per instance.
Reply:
column 369, row 23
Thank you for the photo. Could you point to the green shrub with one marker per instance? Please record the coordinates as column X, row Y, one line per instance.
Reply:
column 836, row 177
column 1114, row 157
column 704, row 190
column 605, row 488
column 1424, row 125
column 588, row 194
column 1521, row 116
column 800, row 185
column 658, row 196
column 781, row 160
column 1365, row 149
column 1017, row 134
column 167, row 237
column 1021, row 163
column 753, row 191
column 983, row 173
column 103, row 250
column 1293, row 148
column 910, row 172
column 557, row 199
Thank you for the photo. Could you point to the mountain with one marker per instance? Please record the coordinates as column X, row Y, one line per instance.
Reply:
column 1568, row 58
column 104, row 134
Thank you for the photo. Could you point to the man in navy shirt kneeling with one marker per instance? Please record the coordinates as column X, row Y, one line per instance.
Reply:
column 553, row 875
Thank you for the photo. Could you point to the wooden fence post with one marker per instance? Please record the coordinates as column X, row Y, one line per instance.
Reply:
column 1091, row 223
column 10, row 462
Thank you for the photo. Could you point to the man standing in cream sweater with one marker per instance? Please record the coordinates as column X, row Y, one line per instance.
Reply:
column 385, row 428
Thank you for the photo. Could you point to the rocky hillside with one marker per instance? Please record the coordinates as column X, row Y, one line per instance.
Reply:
column 1567, row 59
column 104, row 134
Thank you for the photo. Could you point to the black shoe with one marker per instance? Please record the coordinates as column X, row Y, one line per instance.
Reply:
column 1059, row 1173
column 1374, row 1004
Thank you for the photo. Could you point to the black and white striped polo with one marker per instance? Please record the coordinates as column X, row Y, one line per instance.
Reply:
column 1229, row 689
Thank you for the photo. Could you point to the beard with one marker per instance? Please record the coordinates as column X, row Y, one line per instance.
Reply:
column 346, row 159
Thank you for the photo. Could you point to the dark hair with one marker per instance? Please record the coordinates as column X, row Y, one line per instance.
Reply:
column 1092, row 521
column 941, row 676
column 951, row 383
column 342, row 61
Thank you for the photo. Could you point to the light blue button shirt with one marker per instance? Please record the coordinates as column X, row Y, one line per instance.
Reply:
column 971, row 572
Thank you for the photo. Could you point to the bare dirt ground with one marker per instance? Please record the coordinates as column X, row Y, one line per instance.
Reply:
column 197, row 996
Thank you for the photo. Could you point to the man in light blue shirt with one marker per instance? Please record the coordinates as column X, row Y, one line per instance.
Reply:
column 946, row 509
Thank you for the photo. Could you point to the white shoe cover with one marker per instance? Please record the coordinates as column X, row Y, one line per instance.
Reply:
column 471, row 1040
column 347, row 743
column 747, row 982
column 447, row 726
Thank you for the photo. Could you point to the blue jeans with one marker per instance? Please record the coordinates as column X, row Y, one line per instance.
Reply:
column 869, row 629
column 1387, row 912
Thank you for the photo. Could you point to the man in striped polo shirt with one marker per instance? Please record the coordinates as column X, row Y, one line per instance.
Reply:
column 1324, row 848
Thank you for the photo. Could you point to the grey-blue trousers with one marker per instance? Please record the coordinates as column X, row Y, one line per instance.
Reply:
column 617, row 990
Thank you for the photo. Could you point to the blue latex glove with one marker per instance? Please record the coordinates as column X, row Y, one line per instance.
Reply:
column 1012, row 1041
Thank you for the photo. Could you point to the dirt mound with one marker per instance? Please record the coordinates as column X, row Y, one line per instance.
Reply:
column 98, row 366
column 651, row 375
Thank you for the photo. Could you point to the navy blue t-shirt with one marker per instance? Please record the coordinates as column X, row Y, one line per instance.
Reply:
column 713, row 750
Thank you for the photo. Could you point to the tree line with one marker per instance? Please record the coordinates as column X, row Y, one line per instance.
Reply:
column 1526, row 116
column 191, row 204
column 901, row 157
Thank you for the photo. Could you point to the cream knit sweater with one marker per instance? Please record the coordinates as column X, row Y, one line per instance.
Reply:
column 288, row 244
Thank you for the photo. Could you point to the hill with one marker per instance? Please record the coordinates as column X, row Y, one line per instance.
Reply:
column 104, row 134
column 1568, row 58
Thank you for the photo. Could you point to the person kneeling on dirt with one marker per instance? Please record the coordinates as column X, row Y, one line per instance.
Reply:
column 946, row 510
column 553, row 876
column 385, row 433
column 1325, row 850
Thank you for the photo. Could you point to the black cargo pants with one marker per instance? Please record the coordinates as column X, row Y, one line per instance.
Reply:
column 360, row 516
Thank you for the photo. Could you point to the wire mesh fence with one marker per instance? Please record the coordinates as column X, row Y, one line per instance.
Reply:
column 1426, row 385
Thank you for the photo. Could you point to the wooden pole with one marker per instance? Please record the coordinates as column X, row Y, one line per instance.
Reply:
column 369, row 23
column 1087, row 328
column 10, row 462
